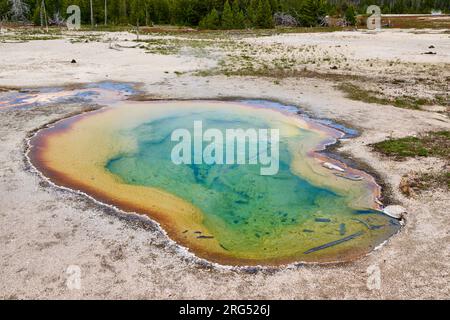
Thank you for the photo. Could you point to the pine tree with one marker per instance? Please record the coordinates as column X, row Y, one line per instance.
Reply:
column 264, row 17
column 227, row 16
column 190, row 12
column 238, row 16
column 252, row 10
column 122, row 8
column 211, row 21
column 275, row 5
column 37, row 14
column 4, row 7
column 214, row 20
column 311, row 12
column 137, row 14
column 43, row 15
column 350, row 15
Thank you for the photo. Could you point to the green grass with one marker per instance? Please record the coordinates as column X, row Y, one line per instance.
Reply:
column 173, row 46
column 191, row 32
column 261, row 32
column 431, row 144
column 28, row 37
column 354, row 92
column 108, row 28
column 31, row 34
column 85, row 39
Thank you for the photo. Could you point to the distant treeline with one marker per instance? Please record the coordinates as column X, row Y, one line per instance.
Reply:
column 211, row 14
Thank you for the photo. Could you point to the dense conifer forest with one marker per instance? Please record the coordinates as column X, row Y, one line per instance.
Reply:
column 210, row 14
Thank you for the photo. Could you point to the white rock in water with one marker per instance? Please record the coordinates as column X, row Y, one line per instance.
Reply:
column 397, row 212
column 332, row 167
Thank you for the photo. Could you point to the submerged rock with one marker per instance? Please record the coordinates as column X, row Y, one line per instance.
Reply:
column 322, row 220
column 352, row 177
column 331, row 166
column 395, row 211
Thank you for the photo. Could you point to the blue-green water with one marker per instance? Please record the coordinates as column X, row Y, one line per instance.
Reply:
column 251, row 215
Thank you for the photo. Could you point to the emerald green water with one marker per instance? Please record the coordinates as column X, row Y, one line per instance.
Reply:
column 252, row 216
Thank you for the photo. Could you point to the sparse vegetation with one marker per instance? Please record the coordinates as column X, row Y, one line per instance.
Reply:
column 197, row 47
column 415, row 183
column 407, row 102
column 26, row 38
column 431, row 144
column 85, row 38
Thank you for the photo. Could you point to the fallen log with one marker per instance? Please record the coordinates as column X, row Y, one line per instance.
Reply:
column 333, row 243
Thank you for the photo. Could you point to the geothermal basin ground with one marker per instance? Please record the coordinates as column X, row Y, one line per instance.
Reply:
column 374, row 83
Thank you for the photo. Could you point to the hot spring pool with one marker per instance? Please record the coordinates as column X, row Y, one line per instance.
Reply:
column 311, row 210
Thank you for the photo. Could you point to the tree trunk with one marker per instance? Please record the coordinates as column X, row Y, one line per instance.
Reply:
column 137, row 29
column 106, row 12
column 92, row 15
column 146, row 15
column 44, row 18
